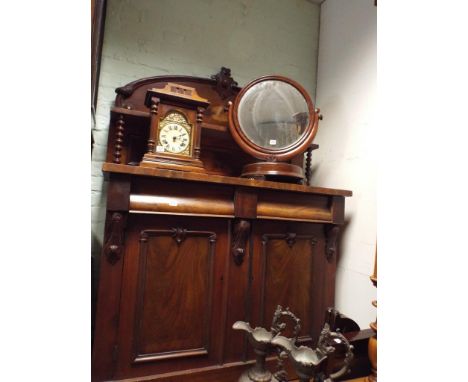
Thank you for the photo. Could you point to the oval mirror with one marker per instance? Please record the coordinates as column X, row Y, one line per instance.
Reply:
column 273, row 114
column 273, row 117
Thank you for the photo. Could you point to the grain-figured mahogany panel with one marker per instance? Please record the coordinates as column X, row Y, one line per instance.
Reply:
column 288, row 262
column 174, row 294
column 237, row 291
column 287, row 273
column 293, row 206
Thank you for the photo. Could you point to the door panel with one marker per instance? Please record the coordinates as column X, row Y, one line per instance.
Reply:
column 175, row 274
column 287, row 270
column 289, row 261
column 171, row 294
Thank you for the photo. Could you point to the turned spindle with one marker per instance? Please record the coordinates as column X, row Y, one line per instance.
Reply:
column 119, row 139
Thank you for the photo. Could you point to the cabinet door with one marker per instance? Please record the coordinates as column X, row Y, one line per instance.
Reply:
column 171, row 293
column 289, row 269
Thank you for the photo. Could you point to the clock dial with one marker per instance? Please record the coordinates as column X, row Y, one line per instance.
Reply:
column 174, row 138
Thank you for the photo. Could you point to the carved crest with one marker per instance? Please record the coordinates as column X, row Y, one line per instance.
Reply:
column 224, row 83
column 179, row 234
column 125, row 91
column 290, row 239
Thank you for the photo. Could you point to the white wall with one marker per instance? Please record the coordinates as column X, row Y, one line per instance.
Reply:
column 196, row 37
column 346, row 95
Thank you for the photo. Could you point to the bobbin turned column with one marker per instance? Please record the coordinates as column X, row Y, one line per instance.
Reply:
column 308, row 165
column 153, row 125
column 197, row 138
column 119, row 135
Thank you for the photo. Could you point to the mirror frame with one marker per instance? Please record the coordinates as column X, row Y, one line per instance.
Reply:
column 260, row 152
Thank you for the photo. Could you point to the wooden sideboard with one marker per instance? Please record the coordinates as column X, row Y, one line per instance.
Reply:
column 185, row 255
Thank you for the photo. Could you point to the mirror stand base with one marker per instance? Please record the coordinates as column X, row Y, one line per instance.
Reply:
column 278, row 171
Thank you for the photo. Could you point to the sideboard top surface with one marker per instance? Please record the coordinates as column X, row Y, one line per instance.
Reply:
column 218, row 179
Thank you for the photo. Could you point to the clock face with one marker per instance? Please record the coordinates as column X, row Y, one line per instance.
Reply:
column 174, row 135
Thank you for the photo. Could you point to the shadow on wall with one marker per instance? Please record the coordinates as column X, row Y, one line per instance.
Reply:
column 343, row 232
column 96, row 245
column 313, row 169
column 334, row 130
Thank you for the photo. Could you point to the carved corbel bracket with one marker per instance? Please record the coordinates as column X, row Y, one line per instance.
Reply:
column 114, row 244
column 331, row 233
column 240, row 237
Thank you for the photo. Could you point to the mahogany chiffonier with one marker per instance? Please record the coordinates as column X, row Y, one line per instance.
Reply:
column 188, row 253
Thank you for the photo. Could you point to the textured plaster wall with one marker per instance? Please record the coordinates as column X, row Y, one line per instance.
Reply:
column 346, row 94
column 196, row 37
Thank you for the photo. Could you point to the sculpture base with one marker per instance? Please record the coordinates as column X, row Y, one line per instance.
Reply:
column 278, row 171
column 253, row 375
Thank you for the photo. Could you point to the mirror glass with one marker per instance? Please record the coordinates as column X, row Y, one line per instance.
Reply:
column 273, row 114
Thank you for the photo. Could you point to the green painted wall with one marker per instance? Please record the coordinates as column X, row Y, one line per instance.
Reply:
column 196, row 37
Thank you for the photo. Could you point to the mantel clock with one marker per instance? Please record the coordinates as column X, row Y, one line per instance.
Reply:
column 176, row 113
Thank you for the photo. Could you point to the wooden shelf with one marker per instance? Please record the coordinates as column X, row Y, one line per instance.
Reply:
column 131, row 112
column 209, row 178
column 212, row 126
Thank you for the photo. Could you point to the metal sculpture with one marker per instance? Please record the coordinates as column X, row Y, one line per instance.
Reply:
column 260, row 339
column 309, row 364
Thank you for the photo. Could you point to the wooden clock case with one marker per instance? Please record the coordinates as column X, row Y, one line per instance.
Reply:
column 187, row 254
column 189, row 106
